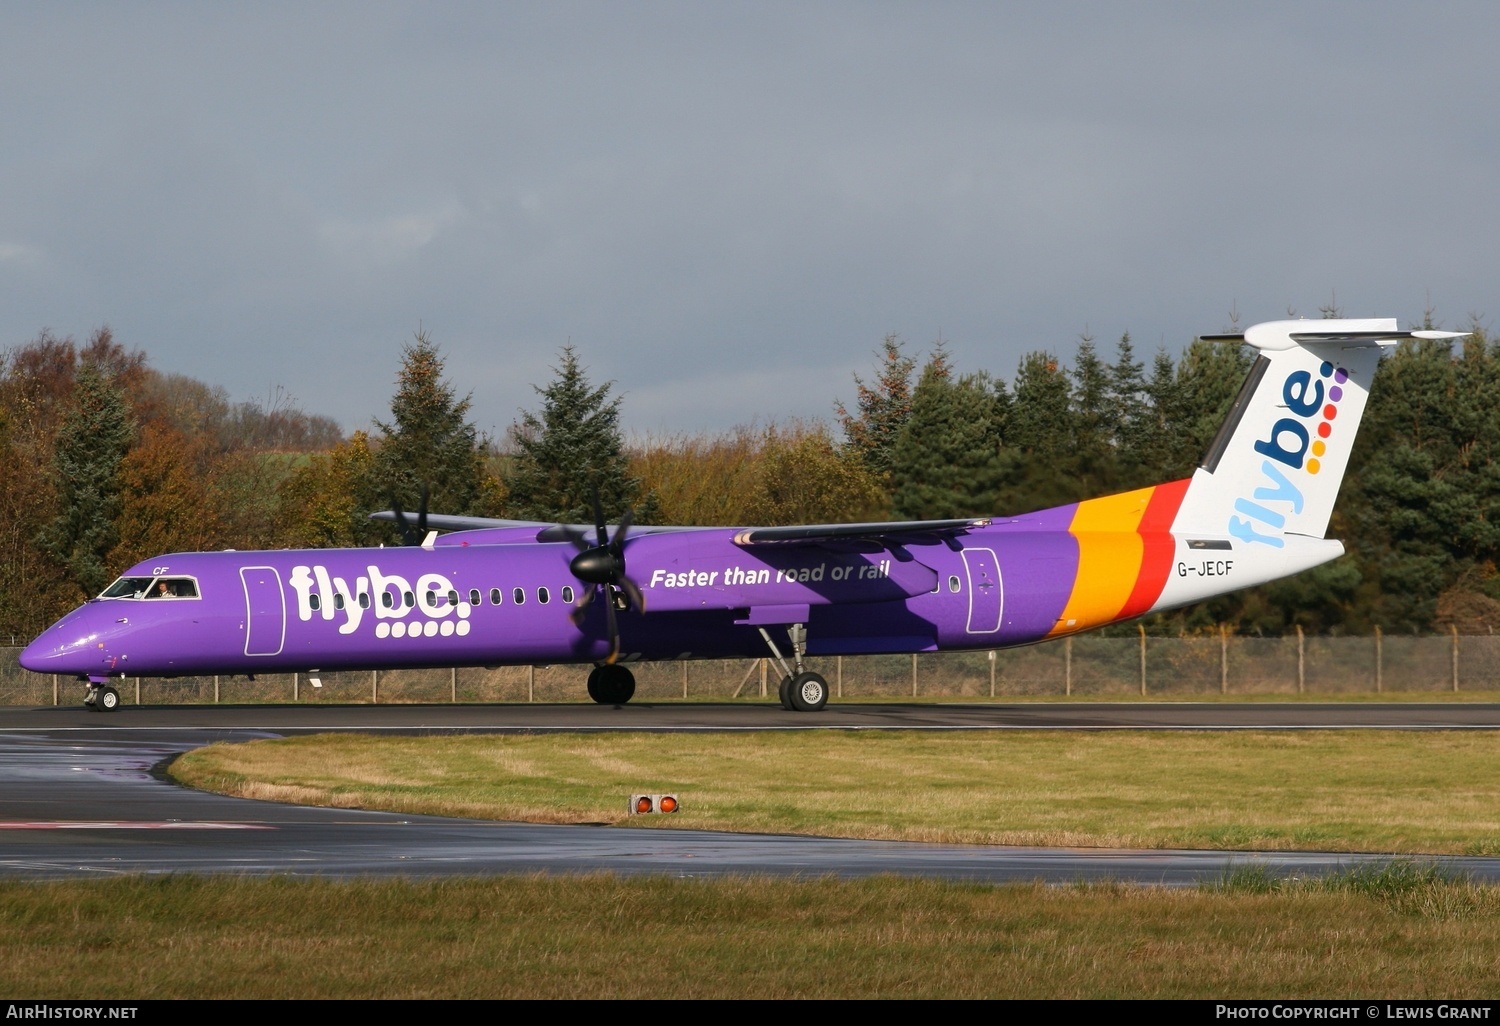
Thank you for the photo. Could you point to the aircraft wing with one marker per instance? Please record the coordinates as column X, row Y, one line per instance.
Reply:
column 445, row 522
column 874, row 531
column 799, row 533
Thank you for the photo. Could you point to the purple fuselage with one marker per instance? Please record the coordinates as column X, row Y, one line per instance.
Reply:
column 494, row 598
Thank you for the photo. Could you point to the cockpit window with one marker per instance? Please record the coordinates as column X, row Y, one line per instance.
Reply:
column 152, row 588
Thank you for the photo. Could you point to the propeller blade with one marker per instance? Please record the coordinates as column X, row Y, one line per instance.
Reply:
column 580, row 610
column 601, row 531
column 403, row 526
column 411, row 535
column 574, row 535
column 633, row 593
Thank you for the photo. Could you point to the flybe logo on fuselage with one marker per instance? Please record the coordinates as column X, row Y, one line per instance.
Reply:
column 1296, row 446
column 430, row 607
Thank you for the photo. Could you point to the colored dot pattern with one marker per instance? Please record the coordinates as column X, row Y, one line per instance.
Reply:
column 1330, row 411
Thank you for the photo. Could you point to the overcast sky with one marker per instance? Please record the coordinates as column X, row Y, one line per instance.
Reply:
column 724, row 207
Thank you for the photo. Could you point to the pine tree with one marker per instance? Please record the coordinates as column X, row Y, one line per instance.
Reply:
column 1091, row 458
column 1130, row 414
column 945, row 462
column 91, row 445
column 883, row 408
column 1037, row 437
column 1209, row 376
column 430, row 443
column 570, row 449
column 1162, row 450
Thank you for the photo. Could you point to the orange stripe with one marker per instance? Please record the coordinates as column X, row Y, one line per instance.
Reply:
column 1158, row 545
column 1109, row 558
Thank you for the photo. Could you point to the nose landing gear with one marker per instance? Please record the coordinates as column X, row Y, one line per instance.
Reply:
column 101, row 698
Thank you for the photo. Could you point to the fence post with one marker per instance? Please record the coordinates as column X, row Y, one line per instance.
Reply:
column 216, row 689
column 374, row 687
column 1142, row 628
column 684, row 678
column 296, row 686
column 838, row 675
column 531, row 683
column 914, row 675
column 1379, row 661
column 1223, row 659
column 992, row 673
column 1068, row 665
column 762, row 676
column 138, row 681
column 1301, row 662
column 54, row 689
column 453, row 684
column 1454, row 628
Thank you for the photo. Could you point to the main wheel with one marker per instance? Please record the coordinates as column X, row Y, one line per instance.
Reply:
column 808, row 692
column 784, row 692
column 611, row 684
column 109, row 700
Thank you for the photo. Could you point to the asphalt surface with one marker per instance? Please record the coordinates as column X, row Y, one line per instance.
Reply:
column 82, row 795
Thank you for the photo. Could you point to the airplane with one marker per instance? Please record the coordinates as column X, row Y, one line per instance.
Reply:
column 503, row 592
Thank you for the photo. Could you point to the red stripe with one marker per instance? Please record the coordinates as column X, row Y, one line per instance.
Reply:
column 1157, row 547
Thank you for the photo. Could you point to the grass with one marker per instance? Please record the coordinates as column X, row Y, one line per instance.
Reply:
column 1398, row 933
column 1389, row 791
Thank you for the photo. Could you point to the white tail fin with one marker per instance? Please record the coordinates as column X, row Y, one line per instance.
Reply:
column 1275, row 467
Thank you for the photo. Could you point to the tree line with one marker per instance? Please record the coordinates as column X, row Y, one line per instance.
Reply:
column 105, row 461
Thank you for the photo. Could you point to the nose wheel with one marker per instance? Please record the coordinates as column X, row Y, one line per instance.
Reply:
column 102, row 698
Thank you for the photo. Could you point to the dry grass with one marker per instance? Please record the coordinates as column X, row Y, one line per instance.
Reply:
column 602, row 936
column 1405, row 792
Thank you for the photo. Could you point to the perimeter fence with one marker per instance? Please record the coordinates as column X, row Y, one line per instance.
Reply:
column 1084, row 666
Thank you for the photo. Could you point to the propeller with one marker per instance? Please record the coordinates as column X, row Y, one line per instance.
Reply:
column 602, row 565
column 411, row 535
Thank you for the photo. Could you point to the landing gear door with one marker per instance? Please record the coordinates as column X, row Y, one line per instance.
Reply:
column 265, row 611
column 986, row 592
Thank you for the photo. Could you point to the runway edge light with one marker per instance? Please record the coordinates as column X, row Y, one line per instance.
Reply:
column 642, row 804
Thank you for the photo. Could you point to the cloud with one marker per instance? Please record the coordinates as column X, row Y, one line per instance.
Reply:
column 726, row 208
column 16, row 253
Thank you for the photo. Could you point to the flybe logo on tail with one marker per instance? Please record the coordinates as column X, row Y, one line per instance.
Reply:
column 1296, row 446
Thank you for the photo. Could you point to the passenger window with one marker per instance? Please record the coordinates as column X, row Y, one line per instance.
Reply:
column 411, row 600
column 314, row 602
column 364, row 600
column 431, row 598
column 494, row 596
column 520, row 596
column 385, row 599
column 474, row 596
column 567, row 594
column 453, row 598
column 338, row 601
column 953, row 584
column 542, row 596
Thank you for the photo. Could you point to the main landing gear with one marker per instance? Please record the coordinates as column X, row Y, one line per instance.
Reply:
column 101, row 698
column 800, row 690
column 611, row 684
